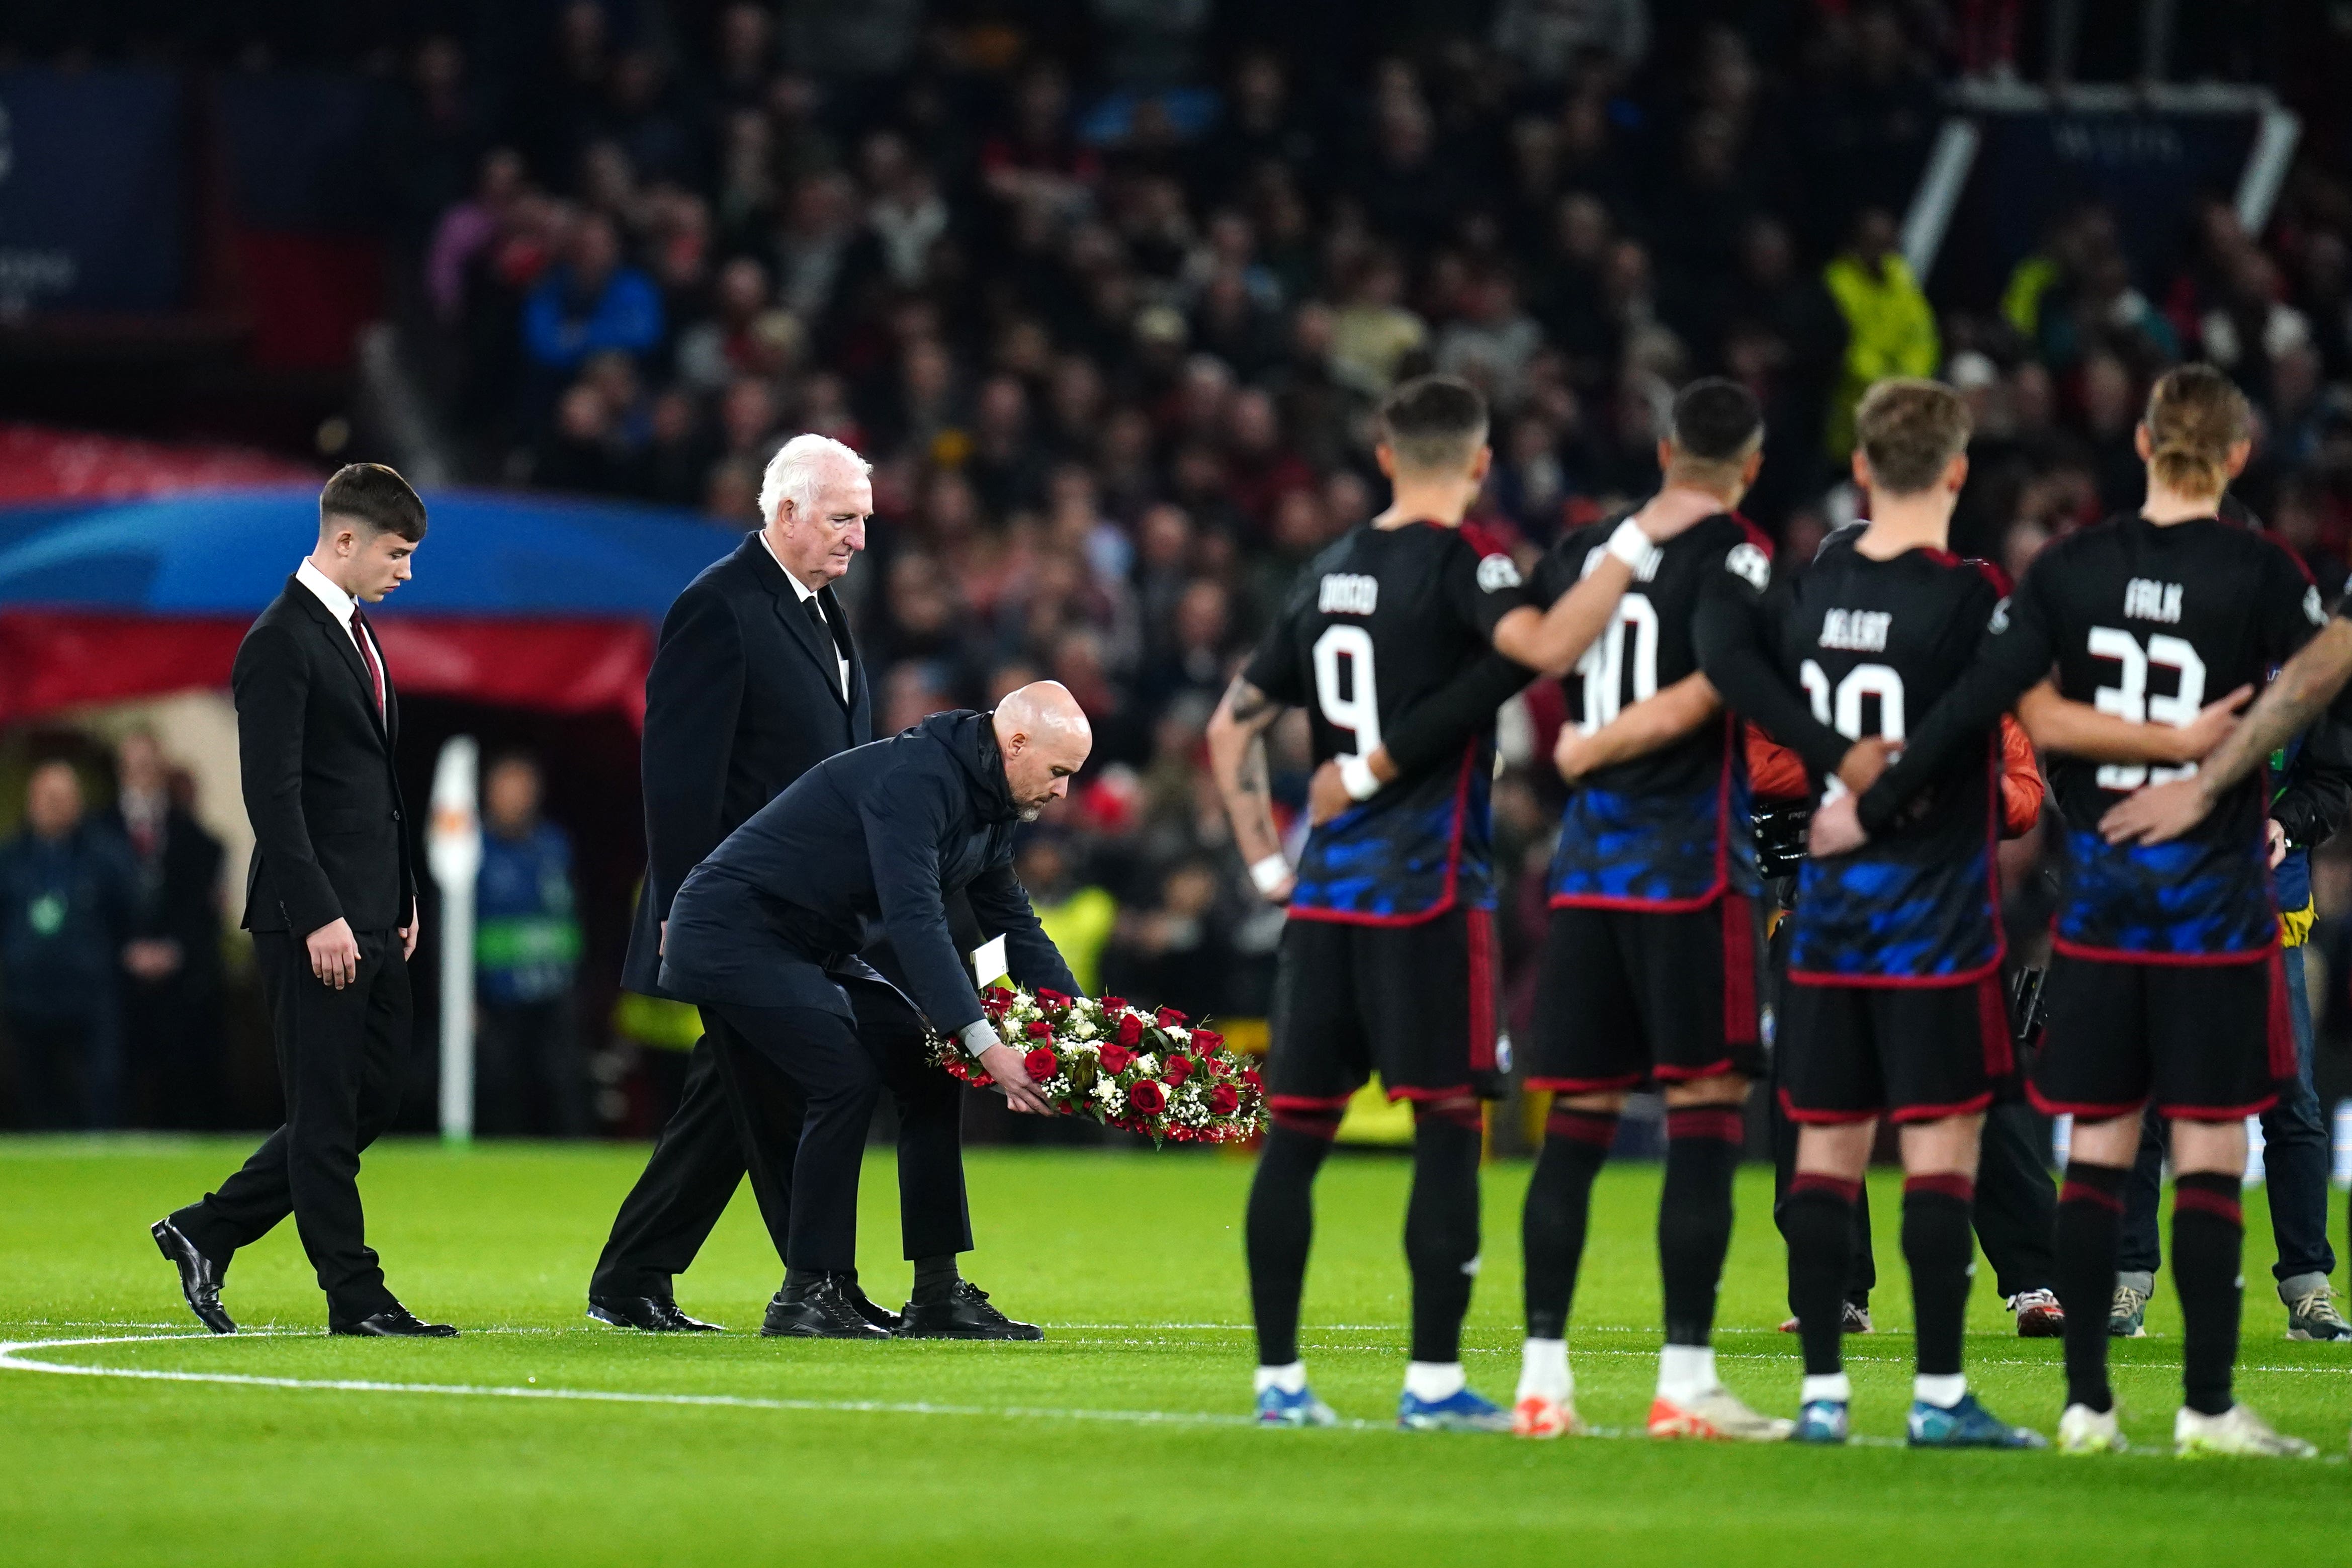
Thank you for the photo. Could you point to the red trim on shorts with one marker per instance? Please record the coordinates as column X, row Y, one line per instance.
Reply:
column 2218, row 1112
column 1904, row 1115
column 1837, row 1187
column 1307, row 1103
column 1715, row 889
column 1739, row 1023
column 2281, row 1034
column 1824, row 1118
column 2157, row 960
column 2083, row 1192
column 1588, row 1085
column 1992, row 1021
column 1417, row 1094
column 1667, row 1072
column 1453, row 869
column 1481, row 925
column 2203, row 1201
column 1950, row 1183
column 2081, row 1111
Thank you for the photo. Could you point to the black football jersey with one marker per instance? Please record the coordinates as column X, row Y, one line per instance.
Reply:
column 2151, row 624
column 1666, row 830
column 1378, row 622
column 1873, row 645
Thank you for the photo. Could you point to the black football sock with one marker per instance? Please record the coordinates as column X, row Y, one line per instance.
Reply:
column 2090, row 1236
column 1280, row 1226
column 1694, row 1215
column 1558, row 1207
column 1939, row 1246
column 1817, row 1219
column 1440, row 1227
column 801, row 1280
column 2208, row 1229
column 935, row 1278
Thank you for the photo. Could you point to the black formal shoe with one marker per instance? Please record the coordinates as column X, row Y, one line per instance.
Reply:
column 872, row 1311
column 820, row 1311
column 394, row 1323
column 965, row 1314
column 655, row 1314
column 200, row 1277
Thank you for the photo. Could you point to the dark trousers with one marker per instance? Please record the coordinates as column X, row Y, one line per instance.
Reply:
column 741, row 1114
column 2295, row 1152
column 530, row 1076
column 841, row 1067
column 340, row 1060
column 62, row 1067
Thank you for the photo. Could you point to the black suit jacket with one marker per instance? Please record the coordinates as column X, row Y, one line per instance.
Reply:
column 179, row 886
column 331, row 840
column 871, row 842
column 743, row 698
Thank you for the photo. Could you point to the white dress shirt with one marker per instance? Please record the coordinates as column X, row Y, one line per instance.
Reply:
column 340, row 604
column 805, row 594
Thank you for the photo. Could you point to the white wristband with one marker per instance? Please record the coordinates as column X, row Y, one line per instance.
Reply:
column 1633, row 547
column 1270, row 873
column 1356, row 773
column 978, row 1036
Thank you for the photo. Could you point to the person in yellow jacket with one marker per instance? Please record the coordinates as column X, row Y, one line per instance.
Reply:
column 1890, row 326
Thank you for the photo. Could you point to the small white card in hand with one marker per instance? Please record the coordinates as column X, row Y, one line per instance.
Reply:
column 987, row 962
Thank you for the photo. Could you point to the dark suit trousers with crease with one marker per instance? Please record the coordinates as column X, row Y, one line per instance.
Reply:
column 341, row 1055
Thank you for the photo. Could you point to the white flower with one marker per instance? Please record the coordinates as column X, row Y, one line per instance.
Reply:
column 1085, row 1029
column 1147, row 1065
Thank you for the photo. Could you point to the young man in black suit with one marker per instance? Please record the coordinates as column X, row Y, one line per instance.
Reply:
column 756, row 680
column 330, row 898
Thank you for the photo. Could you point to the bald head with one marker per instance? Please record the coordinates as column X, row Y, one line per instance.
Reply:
column 1046, row 738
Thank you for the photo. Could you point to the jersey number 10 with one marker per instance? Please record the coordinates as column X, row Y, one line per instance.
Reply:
column 2129, row 699
column 1603, row 668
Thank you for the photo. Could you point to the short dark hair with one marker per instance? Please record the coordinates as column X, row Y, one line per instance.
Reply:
column 1715, row 420
column 1911, row 429
column 376, row 498
column 1432, row 422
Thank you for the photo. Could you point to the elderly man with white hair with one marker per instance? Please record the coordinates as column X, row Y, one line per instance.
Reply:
column 756, row 680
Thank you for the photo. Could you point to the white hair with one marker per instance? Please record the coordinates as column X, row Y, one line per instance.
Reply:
column 799, row 470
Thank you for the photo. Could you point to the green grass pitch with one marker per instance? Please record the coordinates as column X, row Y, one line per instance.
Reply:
column 804, row 1453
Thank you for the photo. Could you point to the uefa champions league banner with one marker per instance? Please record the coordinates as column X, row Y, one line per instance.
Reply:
column 92, row 190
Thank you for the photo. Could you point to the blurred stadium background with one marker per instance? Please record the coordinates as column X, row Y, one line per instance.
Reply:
column 1105, row 288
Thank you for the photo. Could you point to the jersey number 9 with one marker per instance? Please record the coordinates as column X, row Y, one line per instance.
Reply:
column 1344, row 685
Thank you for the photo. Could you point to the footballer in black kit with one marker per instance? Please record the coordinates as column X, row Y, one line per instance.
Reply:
column 1388, row 959
column 2164, row 985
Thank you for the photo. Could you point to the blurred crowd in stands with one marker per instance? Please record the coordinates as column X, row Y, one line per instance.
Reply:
column 1106, row 290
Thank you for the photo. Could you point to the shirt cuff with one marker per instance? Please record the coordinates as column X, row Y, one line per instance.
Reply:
column 977, row 1036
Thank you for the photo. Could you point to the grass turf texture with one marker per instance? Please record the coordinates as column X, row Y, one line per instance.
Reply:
column 1134, row 1263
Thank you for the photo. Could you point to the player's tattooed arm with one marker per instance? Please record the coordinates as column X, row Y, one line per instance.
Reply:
column 1650, row 725
column 1237, row 761
column 2060, row 725
column 2306, row 684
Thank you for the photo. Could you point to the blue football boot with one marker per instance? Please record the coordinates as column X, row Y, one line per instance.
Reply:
column 1278, row 1408
column 1968, row 1425
column 1461, row 1411
column 1822, row 1421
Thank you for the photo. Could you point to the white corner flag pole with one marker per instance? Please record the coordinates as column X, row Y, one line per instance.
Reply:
column 452, row 849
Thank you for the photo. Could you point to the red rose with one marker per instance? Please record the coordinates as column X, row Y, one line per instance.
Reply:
column 1040, row 1030
column 1041, row 1064
column 1168, row 1018
column 1249, row 1077
column 1176, row 1070
column 1224, row 1099
column 1115, row 1057
column 1207, row 1039
column 1148, row 1097
column 1114, row 1004
column 1130, row 1031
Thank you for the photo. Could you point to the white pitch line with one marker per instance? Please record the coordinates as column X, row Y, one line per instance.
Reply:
column 11, row 1360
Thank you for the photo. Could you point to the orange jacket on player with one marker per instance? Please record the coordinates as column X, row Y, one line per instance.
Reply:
column 1775, row 773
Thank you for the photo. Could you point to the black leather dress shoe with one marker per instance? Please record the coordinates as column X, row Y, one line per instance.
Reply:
column 820, row 1311
column 200, row 1277
column 655, row 1314
column 872, row 1311
column 394, row 1323
column 965, row 1314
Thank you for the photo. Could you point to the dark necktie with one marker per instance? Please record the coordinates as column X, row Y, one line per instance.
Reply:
column 361, row 636
column 815, row 608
